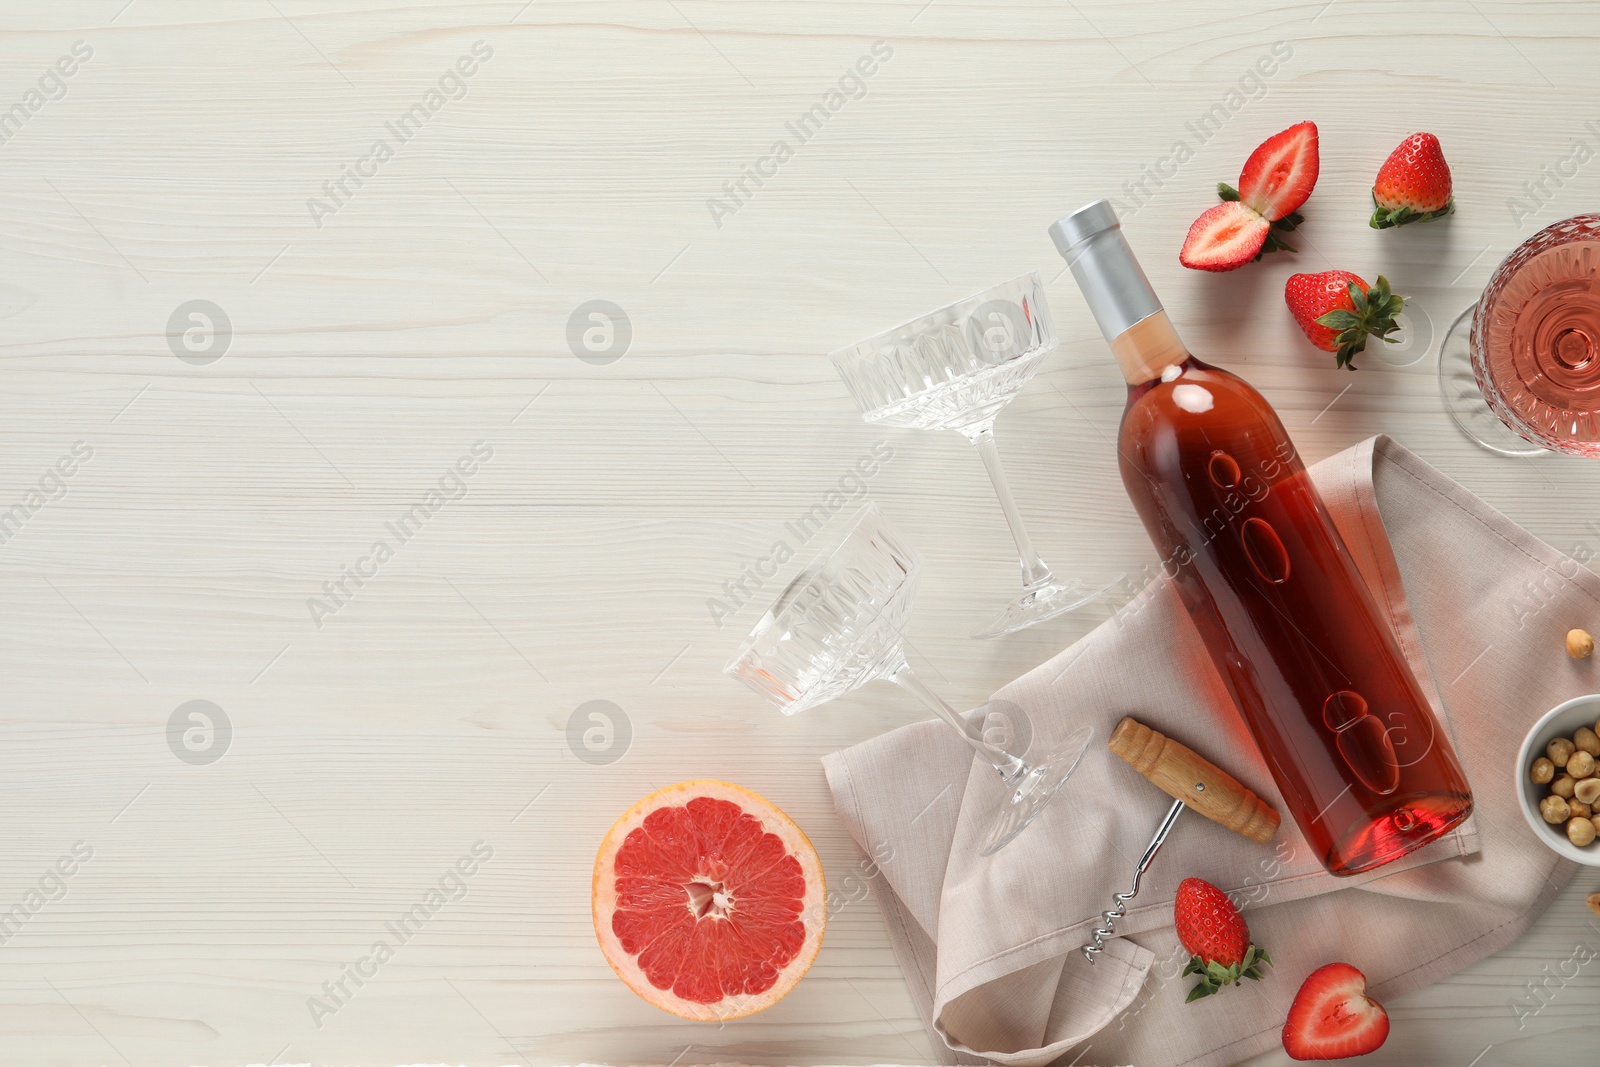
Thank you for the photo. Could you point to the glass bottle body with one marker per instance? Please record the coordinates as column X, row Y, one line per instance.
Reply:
column 1363, row 765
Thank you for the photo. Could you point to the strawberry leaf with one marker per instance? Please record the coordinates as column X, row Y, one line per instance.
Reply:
column 1357, row 298
column 1226, row 191
column 1275, row 231
column 1214, row 975
column 1273, row 243
column 1374, row 314
column 1339, row 320
column 1388, row 218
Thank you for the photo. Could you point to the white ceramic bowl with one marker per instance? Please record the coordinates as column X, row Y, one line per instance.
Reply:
column 1559, row 721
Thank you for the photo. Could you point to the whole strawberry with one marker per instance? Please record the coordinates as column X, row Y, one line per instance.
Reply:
column 1337, row 311
column 1214, row 932
column 1413, row 184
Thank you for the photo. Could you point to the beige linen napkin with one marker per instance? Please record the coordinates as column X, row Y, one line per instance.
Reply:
column 990, row 946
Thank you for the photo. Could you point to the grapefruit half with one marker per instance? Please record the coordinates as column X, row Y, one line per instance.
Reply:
column 708, row 901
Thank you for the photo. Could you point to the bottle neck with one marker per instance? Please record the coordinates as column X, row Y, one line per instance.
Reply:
column 1119, row 295
column 1147, row 348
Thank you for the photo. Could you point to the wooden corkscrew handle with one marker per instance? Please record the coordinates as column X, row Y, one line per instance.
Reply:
column 1184, row 775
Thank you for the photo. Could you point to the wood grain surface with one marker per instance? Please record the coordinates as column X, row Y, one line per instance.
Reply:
column 413, row 322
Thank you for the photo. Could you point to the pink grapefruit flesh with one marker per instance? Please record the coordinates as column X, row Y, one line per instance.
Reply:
column 708, row 900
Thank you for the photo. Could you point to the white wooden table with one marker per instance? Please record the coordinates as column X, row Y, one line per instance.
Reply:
column 382, row 325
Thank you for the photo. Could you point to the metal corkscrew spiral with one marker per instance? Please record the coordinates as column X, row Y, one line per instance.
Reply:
column 1108, row 919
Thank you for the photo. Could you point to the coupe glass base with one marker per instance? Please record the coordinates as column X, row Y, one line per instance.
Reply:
column 1041, row 602
column 1027, row 797
column 1462, row 399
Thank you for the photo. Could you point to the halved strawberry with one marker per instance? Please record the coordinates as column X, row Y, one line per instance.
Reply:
column 1226, row 237
column 1332, row 1017
column 1280, row 174
column 1276, row 180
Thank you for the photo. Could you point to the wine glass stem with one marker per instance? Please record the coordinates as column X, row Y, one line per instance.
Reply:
column 1034, row 570
column 1009, row 766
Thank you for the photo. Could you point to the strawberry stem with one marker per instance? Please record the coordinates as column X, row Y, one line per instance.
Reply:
column 1373, row 315
column 1213, row 975
column 1388, row 218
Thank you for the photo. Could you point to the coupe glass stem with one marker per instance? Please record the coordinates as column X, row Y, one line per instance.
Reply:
column 1009, row 766
column 1034, row 570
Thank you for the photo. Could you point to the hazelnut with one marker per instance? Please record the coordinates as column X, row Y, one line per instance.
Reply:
column 1587, row 791
column 1543, row 770
column 1586, row 740
column 1555, row 810
column 1579, row 644
column 1594, row 903
column 1581, row 765
column 1580, row 832
column 1580, row 810
column 1564, row 787
column 1560, row 750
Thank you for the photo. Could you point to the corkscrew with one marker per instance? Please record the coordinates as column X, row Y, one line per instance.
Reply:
column 1193, row 782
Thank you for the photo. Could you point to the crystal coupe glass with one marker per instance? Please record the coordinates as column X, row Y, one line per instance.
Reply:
column 1520, row 369
column 955, row 369
column 841, row 624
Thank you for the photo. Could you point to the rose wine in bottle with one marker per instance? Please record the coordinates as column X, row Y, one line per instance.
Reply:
column 1364, row 767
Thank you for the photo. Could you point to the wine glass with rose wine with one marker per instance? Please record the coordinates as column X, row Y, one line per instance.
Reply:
column 1520, row 369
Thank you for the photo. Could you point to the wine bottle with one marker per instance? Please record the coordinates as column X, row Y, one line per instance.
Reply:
column 1363, row 765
